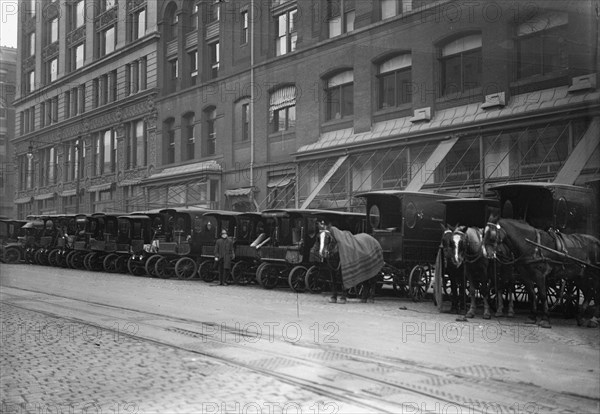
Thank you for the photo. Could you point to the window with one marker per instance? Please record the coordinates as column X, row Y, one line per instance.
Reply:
column 77, row 56
column 173, row 23
column 31, row 44
column 194, row 18
column 211, row 132
column 215, row 11
column 244, row 31
column 395, row 81
column 541, row 45
column 215, row 57
column 112, row 92
column 30, row 81
column 53, row 30
column 78, row 17
column 82, row 99
column 173, row 75
column 141, row 146
column 286, row 33
column 461, row 64
column 67, row 104
column 103, row 89
column 193, row 67
column 245, row 121
column 95, row 92
column 189, row 140
column 169, row 128
column 282, row 109
column 74, row 105
column 107, row 41
column 391, row 8
column 340, row 16
column 340, row 96
column 139, row 28
column 52, row 70
column 242, row 120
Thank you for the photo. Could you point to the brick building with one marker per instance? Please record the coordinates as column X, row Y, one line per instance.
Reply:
column 8, row 73
column 253, row 104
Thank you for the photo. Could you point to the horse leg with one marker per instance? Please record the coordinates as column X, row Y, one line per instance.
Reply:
column 454, row 293
column 334, row 289
column 511, row 296
column 532, row 300
column 544, row 322
column 485, row 293
column 473, row 307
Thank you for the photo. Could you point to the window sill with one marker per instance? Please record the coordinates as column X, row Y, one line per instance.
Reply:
column 335, row 124
column 400, row 111
column 538, row 82
column 468, row 94
column 282, row 135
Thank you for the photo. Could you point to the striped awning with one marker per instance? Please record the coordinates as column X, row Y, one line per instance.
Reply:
column 100, row 187
column 279, row 182
column 68, row 193
column 282, row 97
column 22, row 200
column 46, row 196
column 239, row 192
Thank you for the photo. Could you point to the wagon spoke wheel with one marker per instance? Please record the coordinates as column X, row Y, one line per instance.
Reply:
column 12, row 255
column 53, row 257
column 259, row 272
column 109, row 263
column 41, row 257
column 185, row 268
column 269, row 276
column 150, row 264
column 207, row 271
column 70, row 262
column 96, row 262
column 163, row 268
column 418, row 283
column 296, row 279
column 438, row 285
column 316, row 279
column 242, row 272
column 77, row 260
column 135, row 266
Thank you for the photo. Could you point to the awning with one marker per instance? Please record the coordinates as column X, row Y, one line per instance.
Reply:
column 184, row 171
column 22, row 200
column 581, row 154
column 279, row 182
column 100, row 187
column 338, row 163
column 239, row 192
column 128, row 182
column 68, row 193
column 426, row 171
column 46, row 196
column 283, row 97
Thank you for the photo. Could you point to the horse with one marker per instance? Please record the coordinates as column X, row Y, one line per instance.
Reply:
column 455, row 274
column 541, row 258
column 466, row 248
column 329, row 252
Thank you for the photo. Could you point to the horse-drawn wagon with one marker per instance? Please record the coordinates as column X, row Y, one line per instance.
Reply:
column 551, row 232
column 10, row 250
column 407, row 225
column 285, row 253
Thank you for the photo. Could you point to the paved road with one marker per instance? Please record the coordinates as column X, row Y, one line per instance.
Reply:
column 77, row 340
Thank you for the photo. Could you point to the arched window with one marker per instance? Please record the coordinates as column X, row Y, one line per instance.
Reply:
column 171, row 22
column 188, row 139
column 395, row 80
column 282, row 109
column 210, row 131
column 461, row 64
column 339, row 99
column 242, row 120
column 541, row 46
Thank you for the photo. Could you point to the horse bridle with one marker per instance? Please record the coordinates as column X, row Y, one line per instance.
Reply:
column 328, row 250
column 499, row 239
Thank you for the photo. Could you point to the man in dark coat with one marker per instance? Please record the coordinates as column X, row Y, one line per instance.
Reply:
column 224, row 254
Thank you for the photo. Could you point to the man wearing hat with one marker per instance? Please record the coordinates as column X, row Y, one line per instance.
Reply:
column 224, row 254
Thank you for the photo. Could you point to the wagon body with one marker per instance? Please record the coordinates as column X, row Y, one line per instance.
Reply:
column 10, row 250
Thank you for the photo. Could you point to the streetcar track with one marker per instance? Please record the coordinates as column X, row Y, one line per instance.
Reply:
column 387, row 364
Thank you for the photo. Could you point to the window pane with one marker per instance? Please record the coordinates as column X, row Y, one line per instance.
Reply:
column 472, row 70
column 333, row 103
column 530, row 56
column 79, row 13
column 109, row 40
column 551, row 54
column 451, row 75
column 387, row 90
column 291, row 117
column 348, row 100
column 139, row 144
column 141, row 21
column 350, row 21
column 404, row 87
column 79, row 55
column 388, row 8
column 53, row 30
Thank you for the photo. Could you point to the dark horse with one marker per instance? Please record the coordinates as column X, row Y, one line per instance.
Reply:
column 455, row 273
column 328, row 251
column 535, row 265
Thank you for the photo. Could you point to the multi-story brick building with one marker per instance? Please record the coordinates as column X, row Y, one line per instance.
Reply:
column 8, row 73
column 263, row 103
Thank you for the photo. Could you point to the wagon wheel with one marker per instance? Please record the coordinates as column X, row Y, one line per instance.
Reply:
column 521, row 293
column 418, row 283
column 76, row 259
column 53, row 257
column 438, row 290
column 314, row 280
column 564, row 296
column 29, row 259
column 269, row 276
column 41, row 256
column 12, row 255
column 121, row 264
column 86, row 260
column 95, row 261
column 259, row 271
column 70, row 256
column 135, row 266
column 242, row 273
column 207, row 271
column 61, row 258
column 296, row 279
column 109, row 263
column 185, row 268
column 149, row 266
column 163, row 268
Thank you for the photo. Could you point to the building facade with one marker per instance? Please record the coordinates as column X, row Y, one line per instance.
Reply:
column 8, row 73
column 252, row 104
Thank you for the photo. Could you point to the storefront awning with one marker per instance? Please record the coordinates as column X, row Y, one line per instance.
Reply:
column 128, row 182
column 22, row 200
column 279, row 182
column 100, row 187
column 428, row 168
column 183, row 172
column 46, row 196
column 239, row 192
column 68, row 193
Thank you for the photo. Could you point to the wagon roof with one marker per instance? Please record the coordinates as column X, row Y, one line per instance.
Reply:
column 562, row 188
column 311, row 212
column 135, row 217
column 401, row 193
column 222, row 213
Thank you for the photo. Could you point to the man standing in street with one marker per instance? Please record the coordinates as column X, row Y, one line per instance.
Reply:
column 224, row 254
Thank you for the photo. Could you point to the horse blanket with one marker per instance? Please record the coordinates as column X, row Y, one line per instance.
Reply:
column 361, row 256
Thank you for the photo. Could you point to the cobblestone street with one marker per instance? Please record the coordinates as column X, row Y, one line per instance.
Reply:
column 53, row 365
